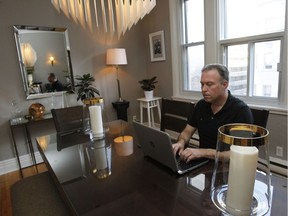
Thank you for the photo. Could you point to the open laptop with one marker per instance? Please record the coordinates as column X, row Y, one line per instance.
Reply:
column 157, row 145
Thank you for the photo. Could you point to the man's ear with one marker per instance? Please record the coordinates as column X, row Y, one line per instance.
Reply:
column 225, row 83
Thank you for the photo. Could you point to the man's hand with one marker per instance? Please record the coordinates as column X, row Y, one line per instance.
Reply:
column 192, row 153
column 177, row 148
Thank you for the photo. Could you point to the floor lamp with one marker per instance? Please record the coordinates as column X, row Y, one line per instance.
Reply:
column 116, row 57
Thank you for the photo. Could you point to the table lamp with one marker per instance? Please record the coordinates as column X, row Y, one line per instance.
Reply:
column 116, row 57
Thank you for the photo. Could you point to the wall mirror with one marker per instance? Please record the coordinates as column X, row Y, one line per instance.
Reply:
column 43, row 51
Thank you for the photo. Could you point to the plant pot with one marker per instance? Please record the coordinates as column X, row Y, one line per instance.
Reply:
column 30, row 79
column 148, row 95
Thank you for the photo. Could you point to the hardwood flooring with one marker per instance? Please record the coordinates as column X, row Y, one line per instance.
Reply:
column 7, row 180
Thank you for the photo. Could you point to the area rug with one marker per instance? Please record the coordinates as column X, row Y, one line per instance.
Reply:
column 37, row 195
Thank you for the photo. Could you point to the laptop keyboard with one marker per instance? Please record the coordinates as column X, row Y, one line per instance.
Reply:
column 182, row 164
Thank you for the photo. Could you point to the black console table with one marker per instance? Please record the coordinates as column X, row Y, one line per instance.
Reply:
column 121, row 107
column 14, row 123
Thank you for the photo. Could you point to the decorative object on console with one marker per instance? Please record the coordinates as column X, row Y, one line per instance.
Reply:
column 148, row 85
column 17, row 114
column 37, row 110
column 116, row 57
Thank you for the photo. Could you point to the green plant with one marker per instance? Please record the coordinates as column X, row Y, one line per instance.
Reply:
column 148, row 84
column 85, row 88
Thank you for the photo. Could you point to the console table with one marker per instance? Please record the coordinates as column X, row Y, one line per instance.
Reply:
column 22, row 122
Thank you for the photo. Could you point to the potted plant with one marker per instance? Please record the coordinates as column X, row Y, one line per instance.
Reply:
column 86, row 92
column 85, row 88
column 30, row 71
column 148, row 85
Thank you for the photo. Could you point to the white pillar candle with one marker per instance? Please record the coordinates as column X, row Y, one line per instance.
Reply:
column 96, row 121
column 242, row 171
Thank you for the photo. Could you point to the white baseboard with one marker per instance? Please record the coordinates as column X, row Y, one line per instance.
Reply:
column 11, row 165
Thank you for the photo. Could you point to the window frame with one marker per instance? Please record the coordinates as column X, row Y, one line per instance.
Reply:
column 214, row 52
column 250, row 41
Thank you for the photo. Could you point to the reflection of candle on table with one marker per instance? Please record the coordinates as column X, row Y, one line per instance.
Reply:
column 242, row 171
column 96, row 121
column 101, row 158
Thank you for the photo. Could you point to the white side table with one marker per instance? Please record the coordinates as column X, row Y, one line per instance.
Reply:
column 149, row 104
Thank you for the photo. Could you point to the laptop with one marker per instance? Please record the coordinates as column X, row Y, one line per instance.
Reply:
column 158, row 145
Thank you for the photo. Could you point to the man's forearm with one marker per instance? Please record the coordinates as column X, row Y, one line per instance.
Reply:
column 182, row 139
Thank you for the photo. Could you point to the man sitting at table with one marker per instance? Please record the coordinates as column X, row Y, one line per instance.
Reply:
column 217, row 108
column 56, row 85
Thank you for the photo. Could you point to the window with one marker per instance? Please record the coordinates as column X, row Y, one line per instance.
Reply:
column 252, row 45
column 193, row 42
column 249, row 37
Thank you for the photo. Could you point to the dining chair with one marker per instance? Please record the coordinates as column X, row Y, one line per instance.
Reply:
column 174, row 114
column 260, row 116
column 68, row 119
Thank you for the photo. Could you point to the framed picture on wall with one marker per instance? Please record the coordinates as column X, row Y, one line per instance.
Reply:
column 157, row 46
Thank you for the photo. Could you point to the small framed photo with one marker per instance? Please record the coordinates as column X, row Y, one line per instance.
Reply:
column 157, row 46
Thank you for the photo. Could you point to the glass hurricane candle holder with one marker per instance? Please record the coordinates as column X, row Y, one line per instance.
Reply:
column 241, row 177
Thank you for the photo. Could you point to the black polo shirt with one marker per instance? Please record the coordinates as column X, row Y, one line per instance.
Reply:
column 207, row 123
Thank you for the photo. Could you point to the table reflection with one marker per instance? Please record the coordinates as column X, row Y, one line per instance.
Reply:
column 68, row 164
column 99, row 157
column 134, row 184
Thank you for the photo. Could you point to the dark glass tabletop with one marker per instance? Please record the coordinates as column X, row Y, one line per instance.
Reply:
column 110, row 184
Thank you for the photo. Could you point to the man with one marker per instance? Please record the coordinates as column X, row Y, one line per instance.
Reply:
column 55, row 84
column 218, row 107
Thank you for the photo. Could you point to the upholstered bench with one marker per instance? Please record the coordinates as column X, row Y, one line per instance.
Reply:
column 37, row 195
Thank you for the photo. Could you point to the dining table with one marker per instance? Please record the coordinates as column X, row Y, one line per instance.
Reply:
column 93, row 179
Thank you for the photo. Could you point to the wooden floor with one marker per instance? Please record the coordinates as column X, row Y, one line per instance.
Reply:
column 7, row 180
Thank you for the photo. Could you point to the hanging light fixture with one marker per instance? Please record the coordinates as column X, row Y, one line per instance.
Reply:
column 117, row 15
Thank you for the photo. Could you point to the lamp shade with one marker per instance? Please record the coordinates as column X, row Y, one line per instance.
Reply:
column 29, row 55
column 116, row 56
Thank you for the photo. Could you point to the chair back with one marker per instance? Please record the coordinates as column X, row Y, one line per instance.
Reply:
column 68, row 119
column 260, row 116
column 174, row 114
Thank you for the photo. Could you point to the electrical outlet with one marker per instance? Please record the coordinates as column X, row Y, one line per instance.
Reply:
column 279, row 151
column 134, row 118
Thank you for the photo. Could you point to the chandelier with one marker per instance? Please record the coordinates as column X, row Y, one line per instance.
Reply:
column 108, row 16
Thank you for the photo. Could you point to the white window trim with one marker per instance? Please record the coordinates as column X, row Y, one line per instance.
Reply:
column 212, row 55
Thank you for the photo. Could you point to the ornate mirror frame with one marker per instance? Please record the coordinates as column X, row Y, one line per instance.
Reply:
column 41, row 44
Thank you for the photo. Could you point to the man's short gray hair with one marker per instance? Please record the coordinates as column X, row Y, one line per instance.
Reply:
column 222, row 70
